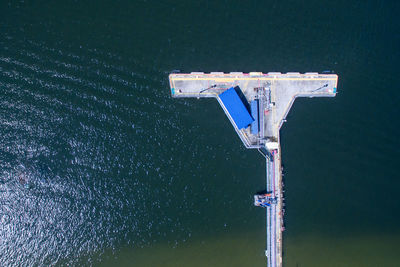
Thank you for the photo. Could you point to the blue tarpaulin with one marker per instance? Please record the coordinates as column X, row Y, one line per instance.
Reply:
column 236, row 108
column 254, row 114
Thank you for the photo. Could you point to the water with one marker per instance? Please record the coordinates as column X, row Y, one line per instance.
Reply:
column 99, row 166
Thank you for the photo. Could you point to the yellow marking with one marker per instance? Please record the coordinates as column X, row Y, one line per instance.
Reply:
column 194, row 93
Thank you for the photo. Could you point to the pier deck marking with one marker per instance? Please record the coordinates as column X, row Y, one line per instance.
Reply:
column 252, row 79
column 284, row 89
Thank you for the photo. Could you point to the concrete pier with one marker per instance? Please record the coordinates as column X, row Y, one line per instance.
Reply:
column 275, row 93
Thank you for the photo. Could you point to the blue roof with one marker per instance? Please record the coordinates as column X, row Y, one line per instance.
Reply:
column 254, row 114
column 236, row 108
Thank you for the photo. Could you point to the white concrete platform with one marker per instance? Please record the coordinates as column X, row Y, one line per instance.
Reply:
column 276, row 93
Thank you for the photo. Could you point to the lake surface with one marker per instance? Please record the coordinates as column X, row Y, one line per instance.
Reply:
column 100, row 166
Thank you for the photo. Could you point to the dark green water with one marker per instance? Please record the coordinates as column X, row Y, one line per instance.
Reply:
column 99, row 166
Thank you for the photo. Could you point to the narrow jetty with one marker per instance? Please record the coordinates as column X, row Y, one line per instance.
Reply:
column 257, row 104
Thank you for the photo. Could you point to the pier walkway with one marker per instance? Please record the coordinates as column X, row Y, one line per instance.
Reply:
column 266, row 99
